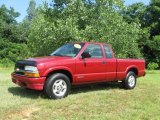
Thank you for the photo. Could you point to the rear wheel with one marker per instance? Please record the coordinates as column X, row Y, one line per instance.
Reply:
column 130, row 80
column 57, row 86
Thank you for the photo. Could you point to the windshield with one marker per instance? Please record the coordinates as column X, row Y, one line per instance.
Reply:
column 69, row 50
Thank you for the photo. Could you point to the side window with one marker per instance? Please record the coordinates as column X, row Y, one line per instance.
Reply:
column 94, row 50
column 108, row 51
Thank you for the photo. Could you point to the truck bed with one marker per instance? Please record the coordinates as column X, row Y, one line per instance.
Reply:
column 124, row 65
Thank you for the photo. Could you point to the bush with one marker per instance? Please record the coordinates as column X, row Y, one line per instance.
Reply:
column 11, row 52
column 6, row 62
column 152, row 66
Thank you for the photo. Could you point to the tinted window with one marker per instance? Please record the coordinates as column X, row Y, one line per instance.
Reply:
column 108, row 51
column 94, row 50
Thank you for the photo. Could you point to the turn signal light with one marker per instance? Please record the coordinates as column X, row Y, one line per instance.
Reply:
column 27, row 74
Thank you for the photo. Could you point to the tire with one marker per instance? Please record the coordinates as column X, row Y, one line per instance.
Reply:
column 57, row 86
column 130, row 80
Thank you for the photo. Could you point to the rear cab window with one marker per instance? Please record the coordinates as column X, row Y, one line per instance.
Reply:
column 108, row 51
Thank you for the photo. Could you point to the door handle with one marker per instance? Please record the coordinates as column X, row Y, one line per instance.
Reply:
column 103, row 62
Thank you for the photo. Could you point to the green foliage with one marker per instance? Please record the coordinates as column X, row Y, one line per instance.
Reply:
column 8, row 15
column 12, row 47
column 81, row 21
column 152, row 66
column 153, row 51
column 151, row 20
column 133, row 31
column 6, row 63
column 31, row 11
column 135, row 13
column 148, row 19
column 13, row 51
column 152, row 17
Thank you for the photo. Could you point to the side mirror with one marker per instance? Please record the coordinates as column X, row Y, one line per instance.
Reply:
column 85, row 55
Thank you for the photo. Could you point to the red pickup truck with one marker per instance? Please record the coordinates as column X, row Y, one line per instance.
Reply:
column 75, row 64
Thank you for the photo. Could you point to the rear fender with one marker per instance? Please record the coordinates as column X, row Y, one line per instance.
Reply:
column 131, row 67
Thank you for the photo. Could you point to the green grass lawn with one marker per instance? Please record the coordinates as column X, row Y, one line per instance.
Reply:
column 101, row 102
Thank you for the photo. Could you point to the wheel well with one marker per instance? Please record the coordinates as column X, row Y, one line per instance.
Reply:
column 133, row 70
column 67, row 73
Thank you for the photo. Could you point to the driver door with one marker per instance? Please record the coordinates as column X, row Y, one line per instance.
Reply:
column 91, row 69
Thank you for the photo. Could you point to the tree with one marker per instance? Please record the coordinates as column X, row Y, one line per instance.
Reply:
column 8, row 23
column 85, row 21
column 148, row 19
column 11, row 47
column 152, row 17
column 135, row 13
column 25, row 25
column 31, row 11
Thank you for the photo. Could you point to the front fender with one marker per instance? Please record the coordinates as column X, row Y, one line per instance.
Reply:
column 57, row 68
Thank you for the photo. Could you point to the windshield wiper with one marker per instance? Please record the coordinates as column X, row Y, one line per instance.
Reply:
column 56, row 54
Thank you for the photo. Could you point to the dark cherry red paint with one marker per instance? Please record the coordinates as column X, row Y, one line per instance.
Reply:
column 83, row 71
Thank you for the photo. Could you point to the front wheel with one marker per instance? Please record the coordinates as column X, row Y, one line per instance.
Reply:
column 57, row 86
column 130, row 80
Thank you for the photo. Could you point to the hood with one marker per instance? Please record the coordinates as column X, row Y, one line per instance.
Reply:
column 48, row 59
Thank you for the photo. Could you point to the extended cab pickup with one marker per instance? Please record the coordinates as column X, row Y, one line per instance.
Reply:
column 75, row 64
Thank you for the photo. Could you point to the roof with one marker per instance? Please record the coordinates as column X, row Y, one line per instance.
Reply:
column 91, row 43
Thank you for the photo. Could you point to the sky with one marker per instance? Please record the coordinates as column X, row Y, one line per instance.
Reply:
column 22, row 5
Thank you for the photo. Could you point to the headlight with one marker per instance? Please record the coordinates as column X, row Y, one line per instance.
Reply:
column 31, row 69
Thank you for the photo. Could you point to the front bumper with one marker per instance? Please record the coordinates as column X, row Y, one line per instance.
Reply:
column 32, row 83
